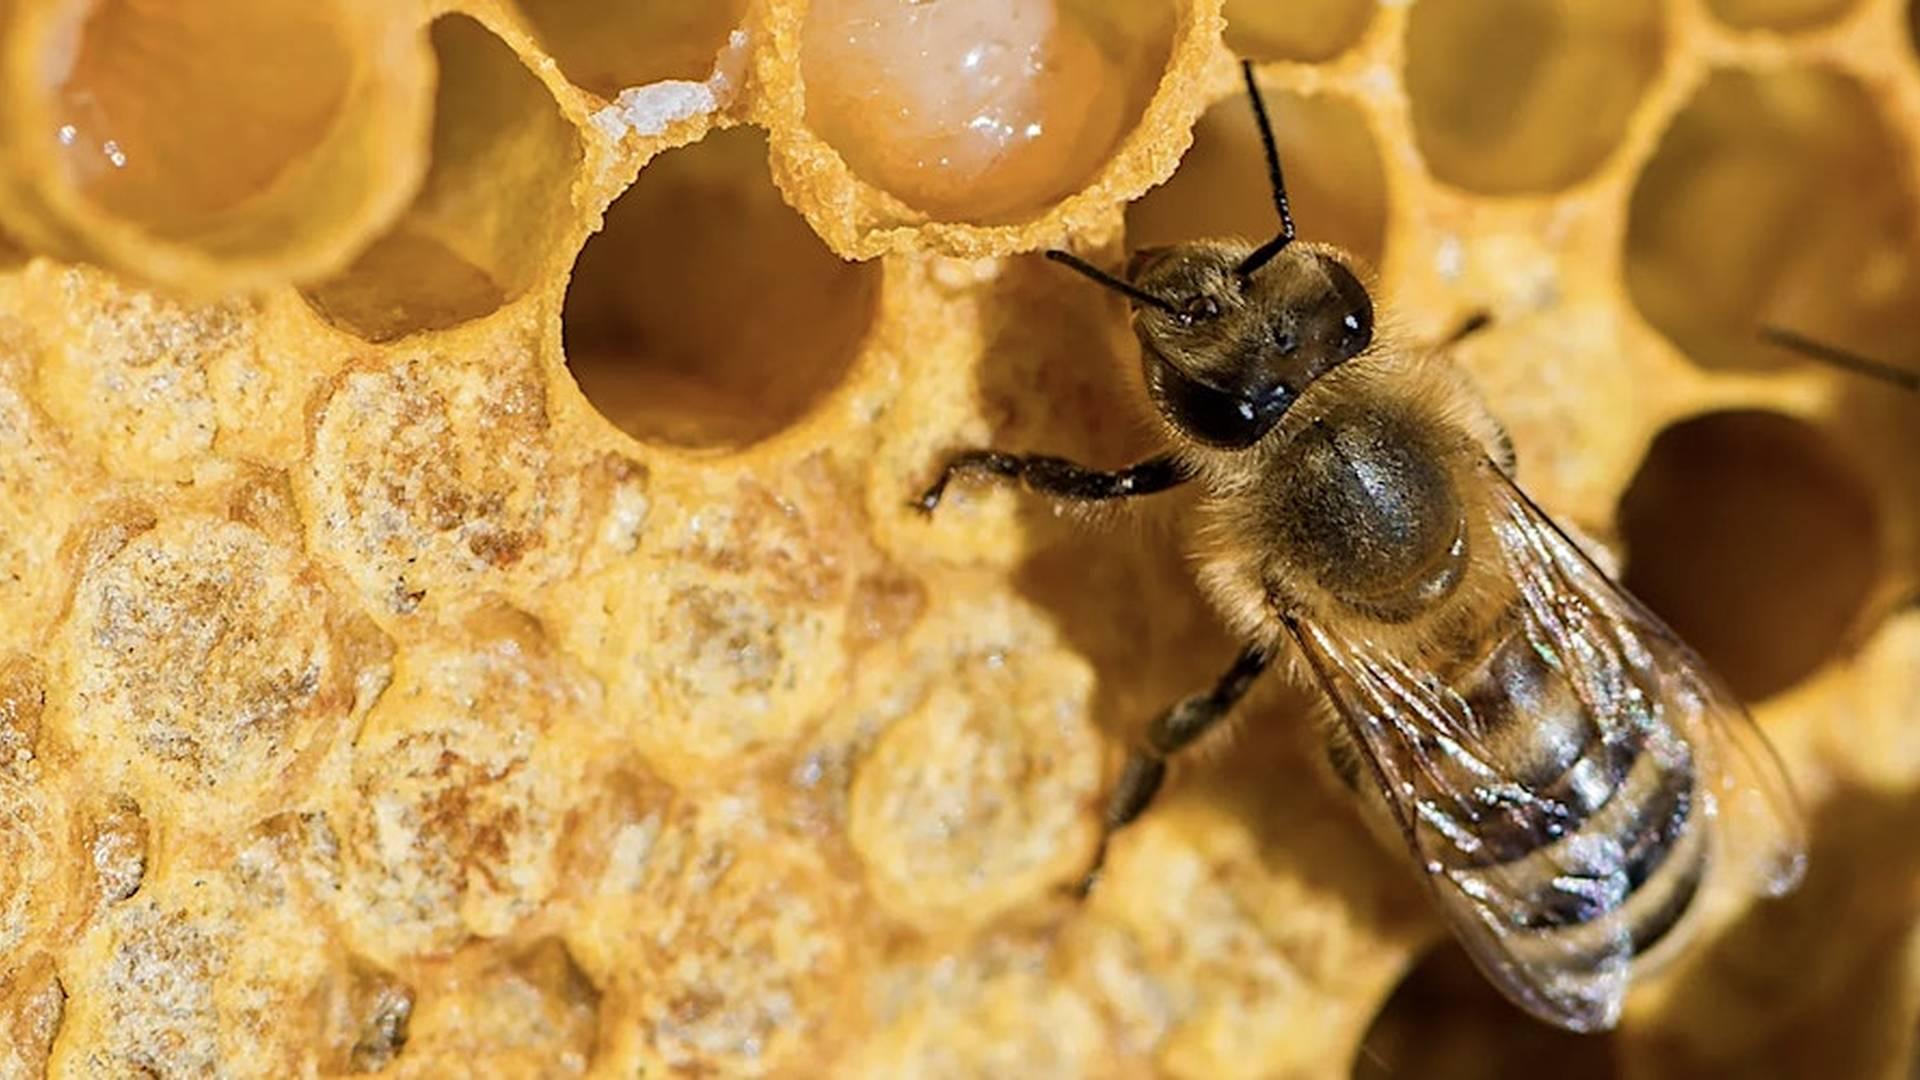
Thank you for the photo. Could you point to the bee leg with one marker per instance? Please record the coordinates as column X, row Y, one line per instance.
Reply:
column 1057, row 476
column 1171, row 732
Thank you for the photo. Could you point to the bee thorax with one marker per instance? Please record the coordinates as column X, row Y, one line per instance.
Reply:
column 1371, row 513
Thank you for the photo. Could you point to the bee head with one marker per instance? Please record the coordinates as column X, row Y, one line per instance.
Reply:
column 1231, row 350
column 1232, row 334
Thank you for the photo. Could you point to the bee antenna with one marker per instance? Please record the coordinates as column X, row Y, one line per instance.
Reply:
column 1124, row 288
column 1835, row 356
column 1265, row 252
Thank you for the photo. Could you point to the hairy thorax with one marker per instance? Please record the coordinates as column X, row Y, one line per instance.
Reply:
column 1365, row 511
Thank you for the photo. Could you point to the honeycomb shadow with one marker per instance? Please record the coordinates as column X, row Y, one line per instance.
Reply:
column 1445, row 1021
column 1783, row 15
column 1335, row 182
column 1827, row 1003
column 1756, row 540
column 1775, row 198
column 1305, row 30
column 701, row 276
column 492, row 212
column 605, row 48
column 1545, row 97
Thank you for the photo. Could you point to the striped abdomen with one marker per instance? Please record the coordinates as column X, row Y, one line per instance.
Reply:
column 1584, row 837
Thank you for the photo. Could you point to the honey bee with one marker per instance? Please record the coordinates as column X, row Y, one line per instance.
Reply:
column 1556, row 760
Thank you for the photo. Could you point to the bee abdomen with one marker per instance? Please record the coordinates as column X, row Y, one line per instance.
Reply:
column 1591, row 840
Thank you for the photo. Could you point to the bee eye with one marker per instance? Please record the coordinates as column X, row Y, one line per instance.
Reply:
column 1356, row 332
column 1198, row 309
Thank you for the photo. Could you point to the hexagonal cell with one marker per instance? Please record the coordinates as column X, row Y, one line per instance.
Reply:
column 533, row 1014
column 700, row 279
column 32, row 1002
column 207, row 143
column 1781, row 198
column 1750, row 535
column 1335, row 184
column 1308, row 30
column 1778, row 14
column 605, row 48
column 495, row 202
column 1446, row 1022
column 982, row 112
column 1546, row 96
column 259, row 83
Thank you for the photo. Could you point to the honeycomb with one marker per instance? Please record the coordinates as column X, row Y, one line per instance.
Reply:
column 459, row 610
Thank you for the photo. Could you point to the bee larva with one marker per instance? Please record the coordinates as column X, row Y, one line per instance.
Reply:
column 1553, row 756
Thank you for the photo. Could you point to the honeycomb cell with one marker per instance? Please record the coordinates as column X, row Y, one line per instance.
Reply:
column 733, row 668
column 210, row 973
column 730, row 647
column 606, row 49
column 32, row 1003
column 209, row 665
column 1446, row 1022
column 981, row 112
column 1778, row 14
column 700, row 275
column 1758, row 543
column 492, row 213
column 996, row 1009
column 530, row 1015
column 975, row 801
column 719, row 952
column 40, row 465
column 36, row 859
column 1334, row 180
column 1515, row 96
column 211, row 145
column 475, row 494
column 1220, row 959
column 1775, row 198
column 464, row 777
column 128, row 372
column 1308, row 30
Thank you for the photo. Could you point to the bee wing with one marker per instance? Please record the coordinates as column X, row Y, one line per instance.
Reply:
column 1615, row 647
column 1441, row 780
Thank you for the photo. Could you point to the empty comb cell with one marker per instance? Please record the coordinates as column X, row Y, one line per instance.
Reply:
column 210, row 145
